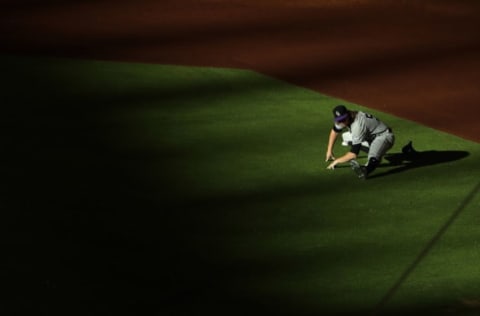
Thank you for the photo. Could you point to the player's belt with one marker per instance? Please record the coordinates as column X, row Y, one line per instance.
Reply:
column 388, row 130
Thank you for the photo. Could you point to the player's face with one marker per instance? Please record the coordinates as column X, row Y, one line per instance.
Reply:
column 343, row 123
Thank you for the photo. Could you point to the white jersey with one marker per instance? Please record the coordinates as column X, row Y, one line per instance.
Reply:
column 366, row 127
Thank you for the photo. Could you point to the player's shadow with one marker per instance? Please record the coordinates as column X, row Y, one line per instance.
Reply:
column 409, row 158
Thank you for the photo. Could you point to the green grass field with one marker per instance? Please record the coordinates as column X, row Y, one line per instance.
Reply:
column 188, row 191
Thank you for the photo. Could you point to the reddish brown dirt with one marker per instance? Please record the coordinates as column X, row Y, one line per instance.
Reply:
column 418, row 59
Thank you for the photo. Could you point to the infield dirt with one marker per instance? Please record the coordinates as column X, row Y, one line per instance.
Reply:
column 416, row 59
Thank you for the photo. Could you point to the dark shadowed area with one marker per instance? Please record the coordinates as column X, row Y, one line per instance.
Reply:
column 70, row 190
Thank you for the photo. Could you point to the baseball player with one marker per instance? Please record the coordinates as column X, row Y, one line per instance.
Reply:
column 363, row 128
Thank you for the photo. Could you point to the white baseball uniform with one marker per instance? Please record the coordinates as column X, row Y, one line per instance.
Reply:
column 367, row 128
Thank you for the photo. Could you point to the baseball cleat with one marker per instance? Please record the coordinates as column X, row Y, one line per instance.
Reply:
column 408, row 148
column 360, row 171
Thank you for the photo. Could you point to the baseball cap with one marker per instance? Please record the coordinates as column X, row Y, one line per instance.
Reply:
column 340, row 113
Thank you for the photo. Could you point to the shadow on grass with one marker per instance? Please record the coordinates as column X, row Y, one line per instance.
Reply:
column 94, row 213
column 410, row 160
column 89, row 208
column 468, row 307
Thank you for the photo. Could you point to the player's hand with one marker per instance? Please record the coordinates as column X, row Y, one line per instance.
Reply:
column 329, row 156
column 332, row 165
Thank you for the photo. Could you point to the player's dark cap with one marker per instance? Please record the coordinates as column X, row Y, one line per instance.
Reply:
column 340, row 113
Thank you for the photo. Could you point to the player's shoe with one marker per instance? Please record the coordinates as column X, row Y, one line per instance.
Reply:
column 360, row 171
column 408, row 148
column 409, row 153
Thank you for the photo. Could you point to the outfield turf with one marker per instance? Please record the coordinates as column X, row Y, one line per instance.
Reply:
column 189, row 191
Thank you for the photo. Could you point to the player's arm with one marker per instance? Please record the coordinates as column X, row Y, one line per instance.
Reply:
column 345, row 158
column 352, row 154
column 331, row 142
